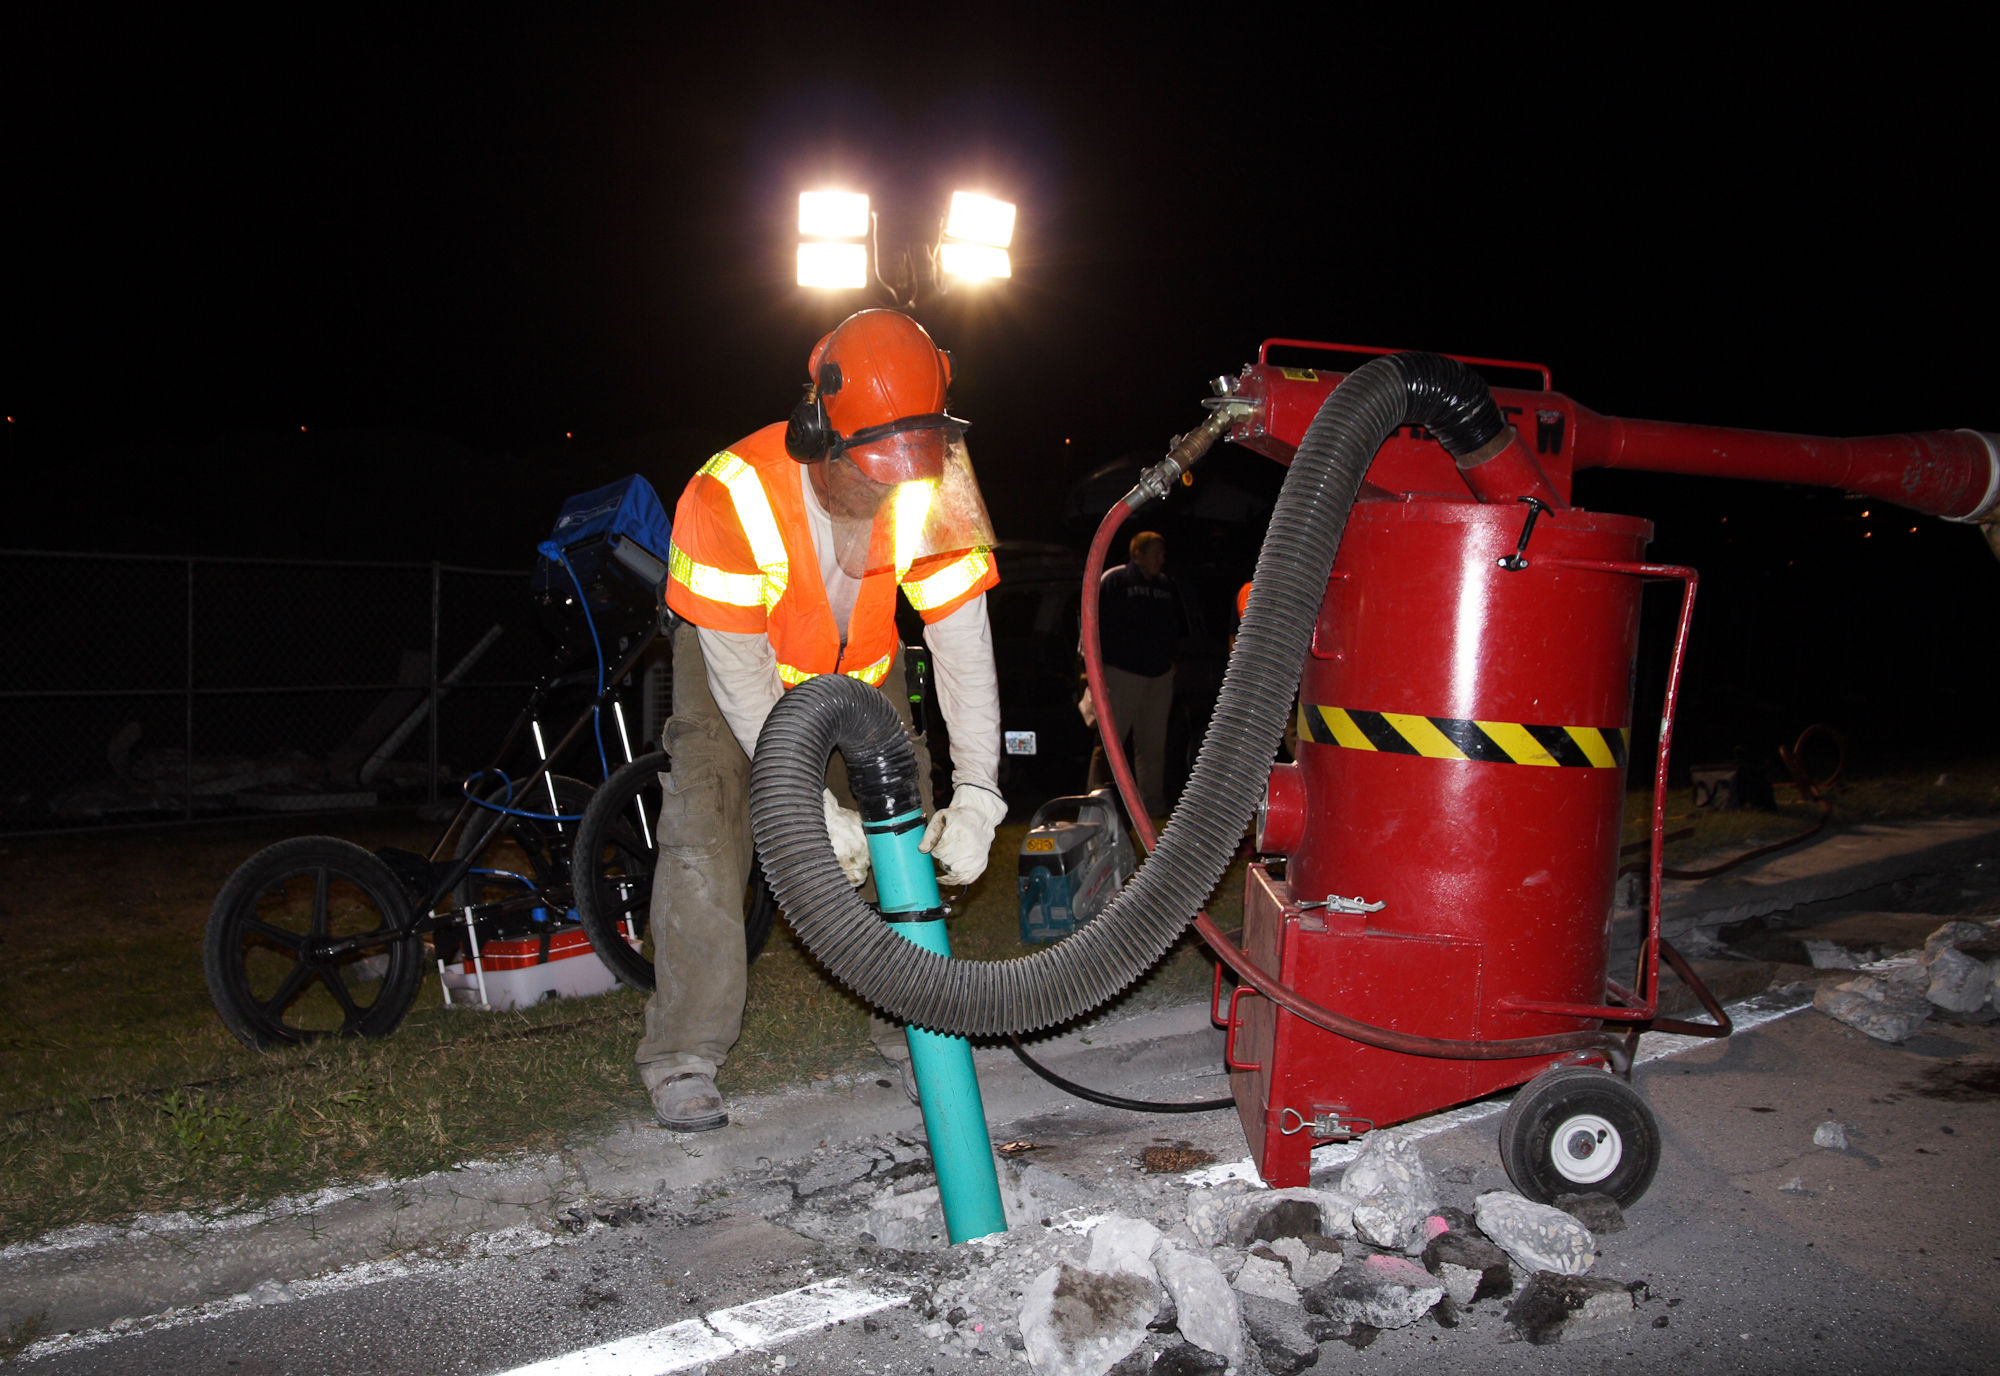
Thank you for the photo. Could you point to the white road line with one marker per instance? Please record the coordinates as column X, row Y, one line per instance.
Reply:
column 724, row 1333
column 688, row 1344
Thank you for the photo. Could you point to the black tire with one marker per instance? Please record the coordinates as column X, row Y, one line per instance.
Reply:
column 544, row 845
column 268, row 987
column 1580, row 1130
column 616, row 851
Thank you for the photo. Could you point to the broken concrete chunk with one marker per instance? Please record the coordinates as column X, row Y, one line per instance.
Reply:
column 1280, row 1334
column 1471, row 1268
column 1392, row 1192
column 1560, row 1308
column 1241, row 1217
column 1289, row 1250
column 1829, row 955
column 1382, row 1227
column 1959, row 984
column 1206, row 1308
column 1077, row 1322
column 1447, row 1220
column 1138, row 1363
column 1875, row 1006
column 1336, row 1210
column 1598, row 1212
column 1211, row 1213
column 1309, row 1264
column 1284, row 1218
column 1831, row 1135
column 1537, row 1237
column 1379, row 1291
column 1954, row 935
column 1123, row 1244
column 1267, row 1277
column 1187, row 1359
column 912, row 1222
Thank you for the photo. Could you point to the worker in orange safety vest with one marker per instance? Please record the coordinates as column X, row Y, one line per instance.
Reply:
column 788, row 551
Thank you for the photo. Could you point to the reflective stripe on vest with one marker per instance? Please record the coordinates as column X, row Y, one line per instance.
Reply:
column 872, row 674
column 760, row 527
column 953, row 580
column 717, row 585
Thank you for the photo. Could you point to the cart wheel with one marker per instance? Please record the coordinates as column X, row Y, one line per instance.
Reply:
column 1580, row 1130
column 269, row 979
column 539, row 850
column 615, row 898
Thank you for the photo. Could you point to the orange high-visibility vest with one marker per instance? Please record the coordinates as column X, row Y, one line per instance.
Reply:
column 742, row 560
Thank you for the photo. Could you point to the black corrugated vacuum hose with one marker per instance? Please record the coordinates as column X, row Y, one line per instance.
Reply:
column 994, row 998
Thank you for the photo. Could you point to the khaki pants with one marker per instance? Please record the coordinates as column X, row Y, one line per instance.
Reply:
column 696, row 1012
column 1140, row 706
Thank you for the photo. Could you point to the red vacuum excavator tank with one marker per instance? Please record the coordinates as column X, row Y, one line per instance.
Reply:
column 1453, row 824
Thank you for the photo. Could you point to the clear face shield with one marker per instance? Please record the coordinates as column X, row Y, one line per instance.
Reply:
column 904, row 497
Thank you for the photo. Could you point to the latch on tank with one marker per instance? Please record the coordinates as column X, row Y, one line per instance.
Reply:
column 1329, row 1123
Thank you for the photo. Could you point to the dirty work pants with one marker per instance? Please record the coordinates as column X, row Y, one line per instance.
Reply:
column 696, row 1011
column 1140, row 706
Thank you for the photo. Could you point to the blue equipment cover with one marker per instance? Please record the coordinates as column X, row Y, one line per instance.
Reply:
column 628, row 507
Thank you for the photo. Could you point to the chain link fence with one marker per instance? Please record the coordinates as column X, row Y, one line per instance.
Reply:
column 164, row 689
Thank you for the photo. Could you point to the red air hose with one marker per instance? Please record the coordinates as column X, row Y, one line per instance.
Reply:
column 1231, row 955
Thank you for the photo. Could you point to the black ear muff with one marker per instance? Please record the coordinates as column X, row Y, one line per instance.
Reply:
column 806, row 432
column 809, row 434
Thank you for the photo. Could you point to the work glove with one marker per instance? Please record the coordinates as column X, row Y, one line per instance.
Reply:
column 960, row 837
column 850, row 842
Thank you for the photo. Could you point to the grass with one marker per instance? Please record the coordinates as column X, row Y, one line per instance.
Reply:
column 1903, row 794
column 121, row 1093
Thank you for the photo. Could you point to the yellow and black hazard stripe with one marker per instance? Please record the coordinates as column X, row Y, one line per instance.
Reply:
column 1450, row 738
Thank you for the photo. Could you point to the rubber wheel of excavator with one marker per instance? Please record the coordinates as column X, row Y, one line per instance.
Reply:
column 543, row 844
column 615, row 853
column 270, row 986
column 1580, row 1130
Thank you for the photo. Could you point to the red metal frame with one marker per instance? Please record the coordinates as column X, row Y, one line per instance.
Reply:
column 1640, row 1004
column 1548, row 381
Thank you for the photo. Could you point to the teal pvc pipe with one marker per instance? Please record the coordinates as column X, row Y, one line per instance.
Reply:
column 954, row 1114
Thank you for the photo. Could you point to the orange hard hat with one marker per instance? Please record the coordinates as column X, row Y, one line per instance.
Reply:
column 880, row 384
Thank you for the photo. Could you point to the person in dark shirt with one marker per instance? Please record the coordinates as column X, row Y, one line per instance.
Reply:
column 1140, row 618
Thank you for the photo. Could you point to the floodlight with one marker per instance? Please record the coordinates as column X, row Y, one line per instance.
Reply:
column 833, row 214
column 981, row 220
column 833, row 265
column 975, row 260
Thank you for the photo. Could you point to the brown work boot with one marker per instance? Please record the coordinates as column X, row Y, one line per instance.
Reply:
column 689, row 1103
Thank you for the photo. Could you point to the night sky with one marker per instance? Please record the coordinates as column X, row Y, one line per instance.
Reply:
column 488, row 260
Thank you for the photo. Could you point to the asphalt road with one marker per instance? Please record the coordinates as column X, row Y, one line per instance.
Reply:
column 1763, row 1252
